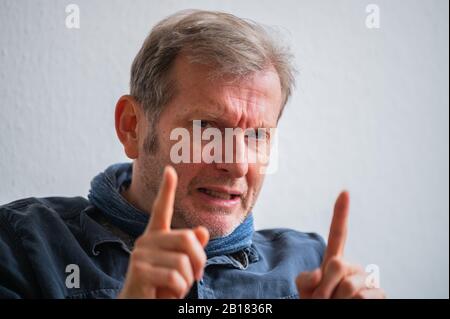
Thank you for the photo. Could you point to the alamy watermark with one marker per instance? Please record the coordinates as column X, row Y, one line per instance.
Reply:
column 73, row 277
column 73, row 16
column 373, row 277
column 373, row 17
column 227, row 145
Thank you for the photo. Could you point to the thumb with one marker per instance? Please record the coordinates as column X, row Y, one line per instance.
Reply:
column 202, row 235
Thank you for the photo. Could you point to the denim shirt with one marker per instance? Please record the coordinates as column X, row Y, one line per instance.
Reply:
column 46, row 242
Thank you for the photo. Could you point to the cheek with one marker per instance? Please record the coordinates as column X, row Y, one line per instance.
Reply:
column 186, row 174
column 254, row 178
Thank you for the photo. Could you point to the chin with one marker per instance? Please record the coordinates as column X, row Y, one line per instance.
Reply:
column 220, row 230
column 218, row 223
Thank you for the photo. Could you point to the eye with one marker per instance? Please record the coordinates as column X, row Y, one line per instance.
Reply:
column 202, row 123
column 259, row 133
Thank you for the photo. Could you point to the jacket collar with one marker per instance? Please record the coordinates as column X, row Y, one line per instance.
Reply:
column 95, row 235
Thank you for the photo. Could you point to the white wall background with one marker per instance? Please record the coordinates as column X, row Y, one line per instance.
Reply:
column 370, row 115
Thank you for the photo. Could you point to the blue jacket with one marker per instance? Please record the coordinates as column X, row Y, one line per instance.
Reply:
column 60, row 247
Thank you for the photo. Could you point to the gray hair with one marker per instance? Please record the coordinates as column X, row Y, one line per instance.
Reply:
column 233, row 46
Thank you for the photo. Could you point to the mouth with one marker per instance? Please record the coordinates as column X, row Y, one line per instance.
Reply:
column 219, row 197
column 218, row 194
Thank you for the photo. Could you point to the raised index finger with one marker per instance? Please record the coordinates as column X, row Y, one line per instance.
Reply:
column 161, row 216
column 338, row 228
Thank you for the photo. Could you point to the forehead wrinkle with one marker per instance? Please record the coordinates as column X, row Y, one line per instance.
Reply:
column 235, row 105
column 202, row 112
column 250, row 105
column 233, row 116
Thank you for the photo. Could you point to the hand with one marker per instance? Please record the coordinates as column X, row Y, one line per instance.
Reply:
column 165, row 263
column 336, row 278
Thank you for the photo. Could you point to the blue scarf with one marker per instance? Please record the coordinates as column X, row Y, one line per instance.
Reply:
column 105, row 194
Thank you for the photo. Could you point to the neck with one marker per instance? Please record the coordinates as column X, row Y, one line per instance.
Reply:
column 131, row 195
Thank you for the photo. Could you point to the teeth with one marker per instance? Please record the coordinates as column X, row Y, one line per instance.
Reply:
column 216, row 194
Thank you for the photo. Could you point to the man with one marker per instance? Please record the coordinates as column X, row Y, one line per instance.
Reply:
column 164, row 228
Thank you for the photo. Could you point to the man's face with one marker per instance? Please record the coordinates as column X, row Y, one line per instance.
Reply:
column 216, row 195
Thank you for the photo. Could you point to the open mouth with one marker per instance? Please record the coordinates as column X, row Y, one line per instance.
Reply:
column 218, row 194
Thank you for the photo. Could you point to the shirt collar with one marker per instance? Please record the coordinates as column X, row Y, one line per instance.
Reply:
column 249, row 254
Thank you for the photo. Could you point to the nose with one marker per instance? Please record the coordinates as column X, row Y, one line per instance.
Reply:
column 237, row 164
column 235, row 170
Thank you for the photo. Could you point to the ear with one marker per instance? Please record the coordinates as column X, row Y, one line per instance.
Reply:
column 127, row 118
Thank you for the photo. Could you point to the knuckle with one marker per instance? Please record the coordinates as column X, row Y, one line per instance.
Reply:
column 182, row 261
column 187, row 238
column 172, row 277
column 336, row 265
column 184, row 288
column 199, row 260
column 348, row 286
column 139, row 268
column 179, row 286
column 144, row 241
column 136, row 255
column 203, row 258
column 139, row 242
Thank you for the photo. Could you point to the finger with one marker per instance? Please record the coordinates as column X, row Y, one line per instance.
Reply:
column 372, row 293
column 338, row 228
column 154, row 278
column 202, row 235
column 307, row 281
column 168, row 278
column 163, row 205
column 184, row 241
column 334, row 272
column 350, row 286
column 165, row 293
column 168, row 259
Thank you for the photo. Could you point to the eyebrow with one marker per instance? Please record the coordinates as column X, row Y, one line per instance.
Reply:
column 201, row 114
column 220, row 121
column 205, row 111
